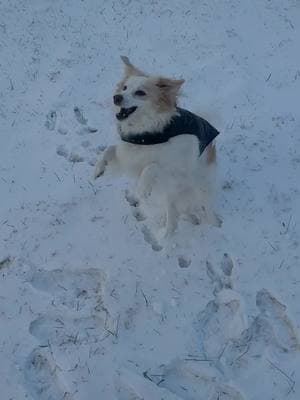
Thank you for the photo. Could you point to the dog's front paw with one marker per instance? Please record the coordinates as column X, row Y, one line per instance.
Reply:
column 99, row 169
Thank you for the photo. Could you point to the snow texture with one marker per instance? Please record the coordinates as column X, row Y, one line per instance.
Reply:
column 93, row 304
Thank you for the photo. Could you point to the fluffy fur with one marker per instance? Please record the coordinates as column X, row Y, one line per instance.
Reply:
column 171, row 174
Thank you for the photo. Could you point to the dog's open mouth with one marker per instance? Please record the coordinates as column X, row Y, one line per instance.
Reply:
column 125, row 112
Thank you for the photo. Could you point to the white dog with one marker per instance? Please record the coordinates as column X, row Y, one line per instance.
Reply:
column 168, row 149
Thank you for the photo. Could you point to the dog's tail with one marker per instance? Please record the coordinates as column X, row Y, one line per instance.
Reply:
column 211, row 153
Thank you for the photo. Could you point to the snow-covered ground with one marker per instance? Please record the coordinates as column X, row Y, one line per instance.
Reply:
column 91, row 305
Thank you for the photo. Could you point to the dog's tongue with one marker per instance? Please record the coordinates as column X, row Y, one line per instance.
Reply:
column 125, row 112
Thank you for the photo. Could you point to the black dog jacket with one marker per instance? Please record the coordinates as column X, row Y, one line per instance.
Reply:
column 184, row 123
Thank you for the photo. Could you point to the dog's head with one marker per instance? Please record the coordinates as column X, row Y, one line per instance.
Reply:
column 144, row 102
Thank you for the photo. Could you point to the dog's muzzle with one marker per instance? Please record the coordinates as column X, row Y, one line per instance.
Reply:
column 125, row 112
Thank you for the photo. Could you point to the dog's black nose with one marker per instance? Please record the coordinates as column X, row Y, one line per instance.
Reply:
column 118, row 98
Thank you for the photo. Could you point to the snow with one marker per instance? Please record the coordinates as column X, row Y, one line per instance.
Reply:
column 92, row 305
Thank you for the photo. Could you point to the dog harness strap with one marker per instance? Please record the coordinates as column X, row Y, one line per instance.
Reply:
column 182, row 124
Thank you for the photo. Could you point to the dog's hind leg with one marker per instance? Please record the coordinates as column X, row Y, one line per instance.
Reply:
column 108, row 155
column 212, row 218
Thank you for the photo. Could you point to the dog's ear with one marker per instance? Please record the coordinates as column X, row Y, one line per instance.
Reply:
column 169, row 85
column 130, row 69
column 168, row 91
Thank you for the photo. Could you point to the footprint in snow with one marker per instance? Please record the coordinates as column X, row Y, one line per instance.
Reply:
column 223, row 318
column 130, row 386
column 184, row 262
column 64, row 331
column 73, row 289
column 140, row 216
column 41, row 377
column 82, row 120
column 223, row 329
column 62, row 151
column 270, row 332
column 51, row 119
column 79, row 116
column 150, row 239
column 270, row 308
column 186, row 380
column 73, row 157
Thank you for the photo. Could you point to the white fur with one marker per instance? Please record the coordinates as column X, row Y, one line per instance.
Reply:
column 171, row 173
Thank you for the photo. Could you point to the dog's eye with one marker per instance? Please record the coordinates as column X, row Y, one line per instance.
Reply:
column 140, row 93
column 124, row 87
